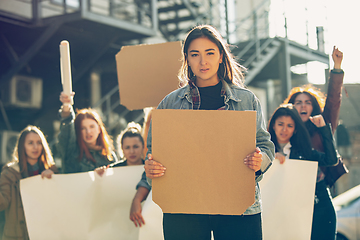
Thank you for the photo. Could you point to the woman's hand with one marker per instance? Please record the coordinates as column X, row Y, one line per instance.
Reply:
column 280, row 157
column 66, row 99
column 337, row 57
column 47, row 173
column 253, row 160
column 135, row 210
column 101, row 170
column 153, row 169
column 318, row 120
column 66, row 103
column 135, row 213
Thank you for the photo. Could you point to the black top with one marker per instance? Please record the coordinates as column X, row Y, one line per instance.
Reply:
column 210, row 97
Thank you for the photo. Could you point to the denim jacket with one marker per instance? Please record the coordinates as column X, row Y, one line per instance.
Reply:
column 235, row 99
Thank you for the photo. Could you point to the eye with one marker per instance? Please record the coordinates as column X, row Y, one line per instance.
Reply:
column 194, row 55
column 211, row 53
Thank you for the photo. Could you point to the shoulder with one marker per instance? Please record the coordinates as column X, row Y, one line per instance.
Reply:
column 174, row 96
column 180, row 92
column 12, row 165
column 240, row 90
column 245, row 98
column 11, row 171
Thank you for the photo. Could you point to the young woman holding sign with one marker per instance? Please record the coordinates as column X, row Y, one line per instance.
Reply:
column 32, row 156
column 292, row 141
column 84, row 143
column 212, row 80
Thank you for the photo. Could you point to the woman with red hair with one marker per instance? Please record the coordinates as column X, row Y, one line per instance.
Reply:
column 84, row 143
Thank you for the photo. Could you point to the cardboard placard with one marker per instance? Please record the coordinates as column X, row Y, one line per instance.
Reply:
column 146, row 73
column 203, row 153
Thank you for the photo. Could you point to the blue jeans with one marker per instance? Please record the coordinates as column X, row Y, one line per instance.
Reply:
column 224, row 227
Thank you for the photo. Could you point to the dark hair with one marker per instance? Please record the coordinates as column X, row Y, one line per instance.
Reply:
column 229, row 69
column 300, row 138
column 103, row 140
column 316, row 96
column 19, row 154
column 132, row 130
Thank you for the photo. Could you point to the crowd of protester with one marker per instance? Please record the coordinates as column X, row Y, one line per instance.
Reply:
column 301, row 128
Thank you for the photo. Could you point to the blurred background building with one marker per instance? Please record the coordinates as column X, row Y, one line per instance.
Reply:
column 277, row 44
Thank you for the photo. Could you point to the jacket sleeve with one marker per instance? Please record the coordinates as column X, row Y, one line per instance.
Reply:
column 143, row 182
column 333, row 100
column 330, row 156
column 67, row 145
column 6, row 181
column 54, row 169
column 263, row 142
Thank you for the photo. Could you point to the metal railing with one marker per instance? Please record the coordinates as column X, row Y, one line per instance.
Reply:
column 33, row 11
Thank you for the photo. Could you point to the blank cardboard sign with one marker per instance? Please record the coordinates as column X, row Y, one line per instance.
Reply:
column 147, row 73
column 203, row 153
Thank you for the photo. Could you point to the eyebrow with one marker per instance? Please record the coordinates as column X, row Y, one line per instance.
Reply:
column 210, row 49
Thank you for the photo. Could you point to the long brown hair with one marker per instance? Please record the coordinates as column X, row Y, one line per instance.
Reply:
column 229, row 69
column 317, row 97
column 300, row 138
column 104, row 140
column 19, row 154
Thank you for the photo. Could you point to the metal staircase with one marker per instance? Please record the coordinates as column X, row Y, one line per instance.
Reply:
column 109, row 24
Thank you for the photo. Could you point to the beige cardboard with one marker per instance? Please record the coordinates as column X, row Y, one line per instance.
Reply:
column 146, row 73
column 287, row 194
column 203, row 153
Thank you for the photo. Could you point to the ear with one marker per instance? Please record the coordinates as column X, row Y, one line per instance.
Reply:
column 221, row 58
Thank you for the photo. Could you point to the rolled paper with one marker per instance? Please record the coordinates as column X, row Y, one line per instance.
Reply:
column 65, row 67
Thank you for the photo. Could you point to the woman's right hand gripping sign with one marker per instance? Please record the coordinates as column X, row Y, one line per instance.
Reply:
column 153, row 169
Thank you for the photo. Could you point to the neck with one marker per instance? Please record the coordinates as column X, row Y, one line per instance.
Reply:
column 93, row 146
column 207, row 83
column 32, row 161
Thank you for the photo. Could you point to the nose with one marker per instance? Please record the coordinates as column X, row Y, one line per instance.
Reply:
column 202, row 60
